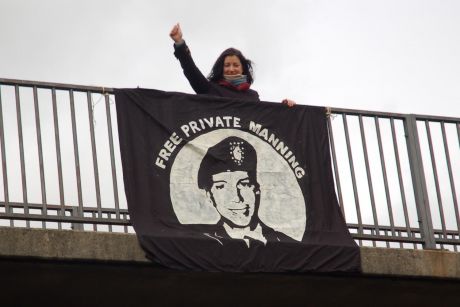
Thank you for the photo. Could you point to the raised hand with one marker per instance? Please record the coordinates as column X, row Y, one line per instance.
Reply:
column 290, row 103
column 176, row 34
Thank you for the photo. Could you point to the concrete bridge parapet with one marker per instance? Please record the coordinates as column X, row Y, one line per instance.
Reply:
column 120, row 247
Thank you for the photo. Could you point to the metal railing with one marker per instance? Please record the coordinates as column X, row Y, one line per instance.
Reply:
column 59, row 146
column 397, row 175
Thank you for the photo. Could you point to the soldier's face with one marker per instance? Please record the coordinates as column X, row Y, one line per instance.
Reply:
column 234, row 197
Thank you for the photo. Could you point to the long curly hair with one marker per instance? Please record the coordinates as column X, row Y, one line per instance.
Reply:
column 217, row 71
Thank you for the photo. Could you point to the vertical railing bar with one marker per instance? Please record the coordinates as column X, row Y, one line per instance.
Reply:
column 436, row 179
column 4, row 164
column 21, row 153
column 94, row 215
column 385, row 178
column 40, row 153
column 94, row 153
column 112, row 155
column 109, row 215
column 76, row 157
column 368, row 173
column 374, row 233
column 419, row 182
column 58, row 156
column 458, row 132
column 353, row 177
column 334, row 159
column 451, row 177
column 401, row 183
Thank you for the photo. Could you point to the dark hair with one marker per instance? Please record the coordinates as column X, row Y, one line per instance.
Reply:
column 217, row 71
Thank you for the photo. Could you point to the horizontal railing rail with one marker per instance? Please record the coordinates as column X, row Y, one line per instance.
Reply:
column 397, row 175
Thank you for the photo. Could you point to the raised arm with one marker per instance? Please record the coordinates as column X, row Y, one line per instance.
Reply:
column 196, row 79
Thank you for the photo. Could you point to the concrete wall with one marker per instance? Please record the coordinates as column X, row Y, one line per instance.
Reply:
column 99, row 246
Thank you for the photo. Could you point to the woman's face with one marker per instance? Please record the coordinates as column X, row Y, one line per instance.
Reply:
column 232, row 65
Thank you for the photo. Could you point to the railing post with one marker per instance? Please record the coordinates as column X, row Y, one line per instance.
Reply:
column 76, row 212
column 419, row 182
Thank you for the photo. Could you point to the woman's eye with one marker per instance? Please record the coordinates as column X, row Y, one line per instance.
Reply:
column 219, row 186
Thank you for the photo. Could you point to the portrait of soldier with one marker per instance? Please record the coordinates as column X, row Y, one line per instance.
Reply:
column 228, row 174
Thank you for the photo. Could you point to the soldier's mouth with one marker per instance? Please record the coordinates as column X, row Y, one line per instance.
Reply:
column 244, row 210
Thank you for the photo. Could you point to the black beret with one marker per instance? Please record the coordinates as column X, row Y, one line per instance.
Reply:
column 229, row 155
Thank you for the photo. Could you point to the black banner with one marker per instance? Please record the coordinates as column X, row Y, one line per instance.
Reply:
column 223, row 184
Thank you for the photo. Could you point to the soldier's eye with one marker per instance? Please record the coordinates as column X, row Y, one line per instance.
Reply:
column 219, row 186
column 245, row 183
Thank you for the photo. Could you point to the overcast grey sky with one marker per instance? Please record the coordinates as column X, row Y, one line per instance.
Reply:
column 388, row 55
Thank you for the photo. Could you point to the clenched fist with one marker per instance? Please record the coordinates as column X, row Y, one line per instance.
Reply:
column 176, row 34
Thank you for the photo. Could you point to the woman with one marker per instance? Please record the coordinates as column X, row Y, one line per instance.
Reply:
column 231, row 75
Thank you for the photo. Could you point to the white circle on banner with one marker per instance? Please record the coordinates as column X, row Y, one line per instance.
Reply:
column 282, row 205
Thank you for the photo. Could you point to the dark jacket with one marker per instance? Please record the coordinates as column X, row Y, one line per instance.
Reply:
column 219, row 234
column 200, row 84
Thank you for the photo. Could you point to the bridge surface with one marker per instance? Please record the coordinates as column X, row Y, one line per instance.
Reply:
column 77, row 268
